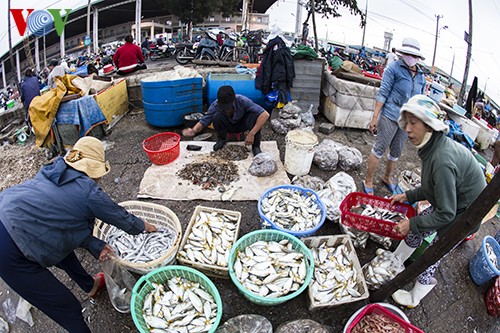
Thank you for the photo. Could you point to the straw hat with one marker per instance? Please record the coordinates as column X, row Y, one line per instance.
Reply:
column 87, row 156
column 425, row 109
column 411, row 46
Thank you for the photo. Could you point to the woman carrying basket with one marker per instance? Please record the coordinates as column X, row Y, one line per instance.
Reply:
column 451, row 181
column 46, row 218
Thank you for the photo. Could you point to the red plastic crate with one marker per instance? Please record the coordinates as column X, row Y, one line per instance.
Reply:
column 370, row 224
column 162, row 148
column 380, row 310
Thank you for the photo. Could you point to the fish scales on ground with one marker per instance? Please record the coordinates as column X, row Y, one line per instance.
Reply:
column 211, row 239
column 270, row 269
column 209, row 174
column 231, row 153
column 141, row 248
column 179, row 306
column 292, row 210
column 378, row 213
column 376, row 323
column 334, row 276
column 383, row 268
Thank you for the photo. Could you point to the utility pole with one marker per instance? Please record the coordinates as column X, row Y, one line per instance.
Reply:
column 313, row 6
column 88, row 26
column 468, row 39
column 12, row 66
column 298, row 18
column 435, row 42
column 364, row 27
column 452, row 63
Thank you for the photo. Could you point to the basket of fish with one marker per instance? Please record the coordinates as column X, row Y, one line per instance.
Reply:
column 270, row 267
column 208, row 240
column 374, row 214
column 144, row 252
column 337, row 277
column 292, row 209
column 375, row 318
column 175, row 299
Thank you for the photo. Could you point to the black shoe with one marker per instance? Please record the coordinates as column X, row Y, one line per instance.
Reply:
column 256, row 151
column 219, row 144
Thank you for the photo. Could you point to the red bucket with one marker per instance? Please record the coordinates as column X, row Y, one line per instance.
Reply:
column 162, row 148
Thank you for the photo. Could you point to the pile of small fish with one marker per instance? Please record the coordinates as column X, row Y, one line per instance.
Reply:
column 383, row 268
column 231, row 153
column 491, row 255
column 378, row 213
column 194, row 116
column 377, row 323
column 143, row 247
column 179, row 306
column 270, row 269
column 334, row 276
column 209, row 174
column 291, row 209
column 211, row 238
column 411, row 178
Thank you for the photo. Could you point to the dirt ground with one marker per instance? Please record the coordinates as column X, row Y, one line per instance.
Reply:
column 455, row 305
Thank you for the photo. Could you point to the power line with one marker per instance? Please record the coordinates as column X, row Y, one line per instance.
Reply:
column 417, row 9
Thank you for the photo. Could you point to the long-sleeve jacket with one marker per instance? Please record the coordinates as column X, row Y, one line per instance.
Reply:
column 52, row 214
column 276, row 66
column 29, row 90
column 451, row 181
column 127, row 55
column 397, row 87
column 241, row 106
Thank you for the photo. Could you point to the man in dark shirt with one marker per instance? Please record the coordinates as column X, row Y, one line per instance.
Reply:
column 232, row 113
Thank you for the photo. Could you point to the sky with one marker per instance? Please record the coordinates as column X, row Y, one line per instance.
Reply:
column 415, row 18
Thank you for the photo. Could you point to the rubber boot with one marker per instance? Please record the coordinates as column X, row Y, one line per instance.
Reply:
column 256, row 144
column 412, row 298
column 221, row 141
column 403, row 251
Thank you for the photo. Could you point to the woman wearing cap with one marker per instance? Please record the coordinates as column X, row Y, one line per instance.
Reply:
column 46, row 218
column 400, row 82
column 451, row 181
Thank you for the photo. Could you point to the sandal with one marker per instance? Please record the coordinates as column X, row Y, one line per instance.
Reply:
column 367, row 190
column 391, row 187
column 102, row 283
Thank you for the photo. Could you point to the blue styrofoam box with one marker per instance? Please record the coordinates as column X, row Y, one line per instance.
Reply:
column 458, row 109
column 243, row 84
column 170, row 114
column 171, row 91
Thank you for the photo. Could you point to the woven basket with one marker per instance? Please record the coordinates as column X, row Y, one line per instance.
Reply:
column 152, row 213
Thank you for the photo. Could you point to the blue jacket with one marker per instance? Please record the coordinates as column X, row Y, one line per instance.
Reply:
column 52, row 214
column 397, row 87
column 241, row 106
column 29, row 90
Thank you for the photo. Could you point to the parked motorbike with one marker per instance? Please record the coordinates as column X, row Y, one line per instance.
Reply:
column 185, row 52
column 164, row 51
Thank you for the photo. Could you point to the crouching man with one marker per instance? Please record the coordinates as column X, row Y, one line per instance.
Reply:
column 232, row 113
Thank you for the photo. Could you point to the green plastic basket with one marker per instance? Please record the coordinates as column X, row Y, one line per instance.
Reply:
column 270, row 235
column 161, row 275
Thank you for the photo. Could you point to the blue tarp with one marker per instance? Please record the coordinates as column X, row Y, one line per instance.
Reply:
column 83, row 112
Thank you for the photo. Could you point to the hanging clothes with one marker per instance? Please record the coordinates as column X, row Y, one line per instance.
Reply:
column 276, row 71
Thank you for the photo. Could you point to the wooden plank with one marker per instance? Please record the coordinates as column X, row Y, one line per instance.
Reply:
column 470, row 219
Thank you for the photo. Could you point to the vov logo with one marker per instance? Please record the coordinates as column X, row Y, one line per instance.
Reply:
column 40, row 22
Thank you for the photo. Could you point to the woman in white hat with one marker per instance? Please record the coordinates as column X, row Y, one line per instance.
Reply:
column 402, row 80
column 43, row 221
column 451, row 181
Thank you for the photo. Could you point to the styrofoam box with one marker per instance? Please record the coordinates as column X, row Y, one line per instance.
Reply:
column 486, row 136
column 468, row 126
column 345, row 117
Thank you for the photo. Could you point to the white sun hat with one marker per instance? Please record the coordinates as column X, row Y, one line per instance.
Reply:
column 411, row 46
column 425, row 109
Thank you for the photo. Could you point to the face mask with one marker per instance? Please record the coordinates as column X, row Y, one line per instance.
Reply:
column 409, row 60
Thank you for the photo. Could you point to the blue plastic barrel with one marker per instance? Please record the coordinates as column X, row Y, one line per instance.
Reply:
column 480, row 266
column 243, row 84
column 166, row 102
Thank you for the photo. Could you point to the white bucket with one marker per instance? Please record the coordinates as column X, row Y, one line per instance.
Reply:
column 299, row 151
